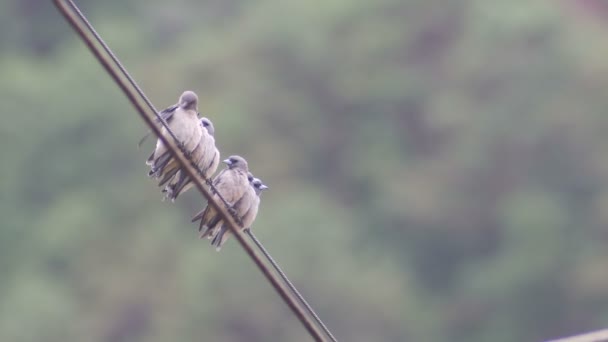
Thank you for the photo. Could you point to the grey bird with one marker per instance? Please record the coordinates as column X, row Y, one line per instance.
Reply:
column 183, row 121
column 247, row 217
column 240, row 208
column 213, row 232
column 205, row 155
column 232, row 184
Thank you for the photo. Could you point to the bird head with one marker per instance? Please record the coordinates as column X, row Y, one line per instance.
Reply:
column 208, row 125
column 258, row 186
column 237, row 162
column 188, row 100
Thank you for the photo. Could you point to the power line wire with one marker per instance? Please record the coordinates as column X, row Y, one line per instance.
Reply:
column 289, row 284
column 119, row 65
column 188, row 166
column 596, row 336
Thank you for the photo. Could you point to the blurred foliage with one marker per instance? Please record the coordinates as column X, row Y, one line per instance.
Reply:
column 437, row 170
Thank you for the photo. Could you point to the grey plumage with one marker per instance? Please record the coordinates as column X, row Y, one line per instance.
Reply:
column 232, row 184
column 183, row 122
column 205, row 155
column 247, row 211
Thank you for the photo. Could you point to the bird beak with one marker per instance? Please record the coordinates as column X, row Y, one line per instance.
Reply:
column 227, row 162
column 263, row 187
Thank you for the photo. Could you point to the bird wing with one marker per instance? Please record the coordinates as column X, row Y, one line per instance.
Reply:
column 166, row 114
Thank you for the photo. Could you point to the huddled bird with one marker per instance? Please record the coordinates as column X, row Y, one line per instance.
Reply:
column 205, row 155
column 234, row 184
column 182, row 119
column 246, row 214
column 231, row 184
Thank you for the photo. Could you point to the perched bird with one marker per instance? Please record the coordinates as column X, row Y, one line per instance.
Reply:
column 239, row 208
column 212, row 232
column 183, row 122
column 247, row 216
column 232, row 185
column 205, row 155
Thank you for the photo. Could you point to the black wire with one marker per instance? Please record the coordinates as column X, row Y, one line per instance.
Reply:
column 289, row 284
column 191, row 169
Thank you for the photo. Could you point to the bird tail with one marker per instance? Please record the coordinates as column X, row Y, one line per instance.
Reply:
column 200, row 214
column 209, row 227
column 179, row 186
column 150, row 160
column 169, row 174
column 159, row 164
column 206, row 231
column 208, row 220
column 181, row 190
column 218, row 239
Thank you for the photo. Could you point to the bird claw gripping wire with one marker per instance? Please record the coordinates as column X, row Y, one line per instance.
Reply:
column 187, row 154
column 234, row 215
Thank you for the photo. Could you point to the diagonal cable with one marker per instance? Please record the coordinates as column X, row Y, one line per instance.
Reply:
column 290, row 285
column 187, row 166
column 595, row 336
column 120, row 66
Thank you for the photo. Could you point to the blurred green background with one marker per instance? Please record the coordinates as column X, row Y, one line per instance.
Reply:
column 438, row 170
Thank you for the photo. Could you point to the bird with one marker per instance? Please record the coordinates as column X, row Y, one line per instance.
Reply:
column 182, row 119
column 232, row 184
column 247, row 216
column 212, row 232
column 205, row 155
column 239, row 208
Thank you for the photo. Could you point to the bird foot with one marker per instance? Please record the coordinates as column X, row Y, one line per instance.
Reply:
column 232, row 212
column 187, row 154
